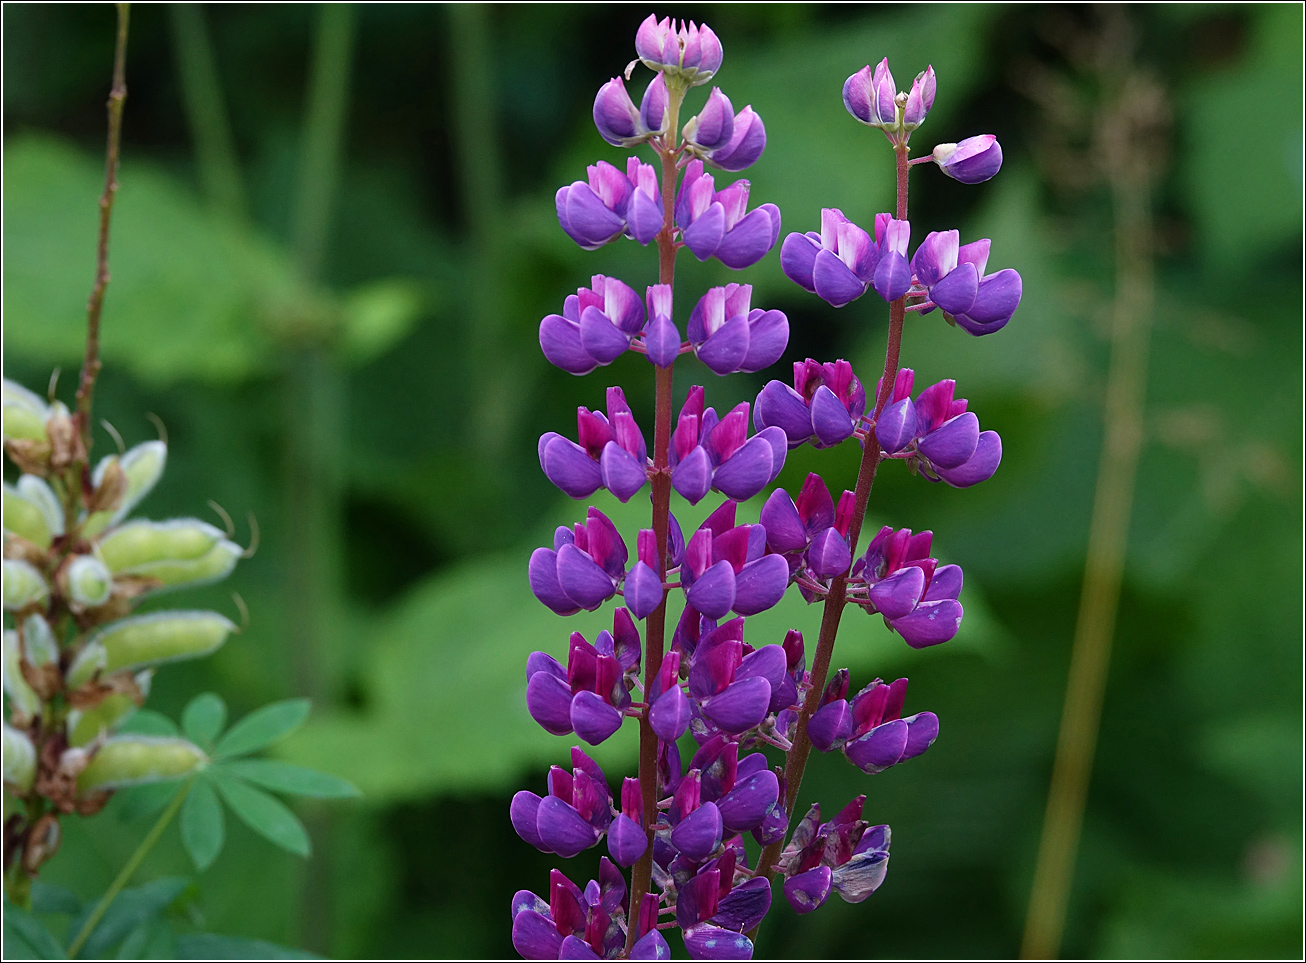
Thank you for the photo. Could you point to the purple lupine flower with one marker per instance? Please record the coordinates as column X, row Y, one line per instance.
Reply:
column 956, row 283
column 583, row 569
column 811, row 532
column 707, row 452
column 661, row 337
column 620, row 123
column 919, row 99
column 916, row 595
column 609, row 452
column 686, row 52
column 732, row 691
column 626, row 837
column 728, row 336
column 669, row 708
column 713, row 126
column 745, row 146
column 842, row 262
column 611, row 204
column 972, row 161
column 574, row 923
column 823, row 407
column 937, row 435
column 649, row 943
column 880, row 737
column 573, row 816
column 744, row 790
column 846, row 855
column 726, row 567
column 714, row 913
column 832, row 723
column 872, row 98
column 714, row 223
column 597, row 324
column 591, row 695
column 654, row 105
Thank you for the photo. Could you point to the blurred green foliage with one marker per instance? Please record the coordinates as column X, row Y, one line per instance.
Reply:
column 1192, row 842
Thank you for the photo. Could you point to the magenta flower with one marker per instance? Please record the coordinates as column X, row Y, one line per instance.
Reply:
column 573, row 816
column 879, row 736
column 573, row 924
column 609, row 453
column 936, row 435
column 597, row 324
column 728, row 335
column 811, row 532
column 823, row 407
column 916, row 596
column 714, row 223
column 726, row 568
column 707, row 452
column 842, row 262
column 954, row 279
column 846, row 855
column 611, row 204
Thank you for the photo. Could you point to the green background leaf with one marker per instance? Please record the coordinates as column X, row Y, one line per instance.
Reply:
column 289, row 778
column 203, row 719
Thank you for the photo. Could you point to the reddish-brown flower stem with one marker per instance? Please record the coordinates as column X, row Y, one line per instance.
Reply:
column 95, row 304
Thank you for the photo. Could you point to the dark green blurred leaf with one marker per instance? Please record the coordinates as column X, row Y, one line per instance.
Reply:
column 131, row 908
column 203, row 718
column 263, row 727
column 211, row 946
column 147, row 722
column 52, row 898
column 377, row 315
column 153, row 939
column 202, row 826
column 285, row 777
column 26, row 938
column 140, row 801
column 264, row 814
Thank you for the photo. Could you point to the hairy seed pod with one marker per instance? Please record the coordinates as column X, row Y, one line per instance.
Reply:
column 112, row 710
column 19, row 759
column 25, row 517
column 133, row 760
column 146, row 640
column 141, row 541
column 23, row 585
column 213, row 566
column 143, row 465
column 25, row 413
column 24, row 703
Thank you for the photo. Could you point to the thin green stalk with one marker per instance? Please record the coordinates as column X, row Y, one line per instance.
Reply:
column 129, row 870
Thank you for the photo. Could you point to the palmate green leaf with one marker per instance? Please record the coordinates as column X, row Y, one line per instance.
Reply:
column 147, row 722
column 263, row 727
column 131, row 908
column 203, row 829
column 212, row 946
column 26, row 939
column 203, row 718
column 286, row 777
column 264, row 814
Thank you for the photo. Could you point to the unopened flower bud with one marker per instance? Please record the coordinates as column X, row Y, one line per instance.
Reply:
column 146, row 640
column 84, row 726
column 616, row 118
column 89, row 581
column 23, row 585
column 688, row 54
column 654, row 104
column 143, row 465
column 973, row 161
column 920, row 99
column 133, row 760
column 25, row 414
column 745, row 146
column 713, row 126
column 19, row 758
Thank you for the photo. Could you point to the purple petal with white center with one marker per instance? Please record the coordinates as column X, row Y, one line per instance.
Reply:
column 670, row 714
column 548, row 700
column 922, row 730
column 582, row 579
column 692, row 478
column 878, row 749
column 708, row 942
column 829, row 554
column 600, row 338
column 936, row 257
column 974, row 160
column 713, row 592
column 779, row 406
column 563, row 830
column 741, row 706
column 858, row 94
column 538, row 662
column 956, row 292
column 643, row 590
column 980, row 467
column 698, row 834
column 953, row 443
column 626, row 840
column 570, row 467
column 833, row 281
column 831, row 422
column 830, row 725
column 543, row 573
column 860, row 876
column 726, row 348
column 615, row 115
column 592, row 718
column 651, row 946
column 798, row 260
column 704, row 235
column 745, row 806
column 930, row 623
column 535, row 937
column 892, row 276
column 784, row 529
column 661, row 341
column 896, row 426
column 747, row 471
column 749, row 240
column 561, row 344
column 760, row 585
column 944, row 584
column 808, row 891
column 768, row 336
column 744, row 906
column 524, row 813
column 897, row 595
column 620, row 472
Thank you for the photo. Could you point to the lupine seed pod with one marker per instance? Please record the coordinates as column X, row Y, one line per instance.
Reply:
column 26, row 511
column 23, row 585
column 146, row 640
column 39, row 643
column 213, row 566
column 19, row 759
column 89, row 581
column 133, row 760
column 142, row 465
column 25, row 413
column 113, row 709
column 141, row 542
column 24, row 703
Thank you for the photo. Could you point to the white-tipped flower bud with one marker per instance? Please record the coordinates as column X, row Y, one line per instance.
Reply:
column 132, row 760
column 19, row 758
column 146, row 640
column 89, row 581
column 24, row 703
column 108, row 714
column 25, row 413
column 143, row 466
column 23, row 585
